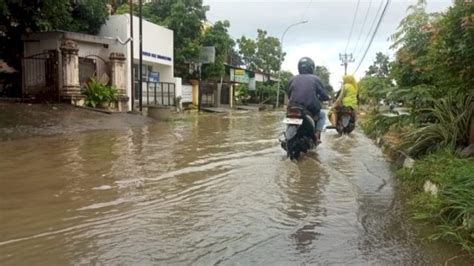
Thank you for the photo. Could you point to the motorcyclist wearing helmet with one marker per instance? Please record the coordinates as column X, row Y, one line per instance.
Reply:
column 307, row 90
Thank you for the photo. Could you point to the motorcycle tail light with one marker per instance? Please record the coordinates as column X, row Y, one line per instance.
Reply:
column 293, row 113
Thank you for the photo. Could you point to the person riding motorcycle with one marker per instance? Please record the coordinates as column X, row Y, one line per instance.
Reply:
column 347, row 97
column 307, row 90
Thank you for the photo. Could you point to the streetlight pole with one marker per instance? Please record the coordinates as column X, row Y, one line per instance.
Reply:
column 281, row 55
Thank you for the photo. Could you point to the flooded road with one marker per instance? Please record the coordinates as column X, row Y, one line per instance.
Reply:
column 213, row 189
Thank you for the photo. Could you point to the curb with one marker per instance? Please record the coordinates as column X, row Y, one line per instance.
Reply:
column 400, row 158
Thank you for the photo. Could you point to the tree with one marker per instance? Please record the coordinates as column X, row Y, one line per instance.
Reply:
column 323, row 73
column 89, row 16
column 450, row 50
column 380, row 67
column 411, row 66
column 262, row 54
column 285, row 77
column 248, row 52
column 185, row 18
column 268, row 52
column 20, row 17
column 217, row 36
column 234, row 58
column 372, row 89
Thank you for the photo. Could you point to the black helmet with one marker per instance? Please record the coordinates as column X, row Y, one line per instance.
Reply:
column 306, row 66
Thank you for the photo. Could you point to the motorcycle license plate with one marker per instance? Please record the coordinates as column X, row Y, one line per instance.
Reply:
column 293, row 121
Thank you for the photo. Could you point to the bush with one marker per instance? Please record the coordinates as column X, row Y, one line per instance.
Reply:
column 449, row 129
column 376, row 125
column 98, row 94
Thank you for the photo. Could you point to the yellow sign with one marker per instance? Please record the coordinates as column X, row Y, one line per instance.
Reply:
column 239, row 72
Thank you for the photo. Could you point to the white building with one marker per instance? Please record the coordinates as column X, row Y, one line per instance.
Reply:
column 158, row 57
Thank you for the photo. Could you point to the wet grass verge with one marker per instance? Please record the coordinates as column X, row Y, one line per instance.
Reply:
column 439, row 185
column 442, row 194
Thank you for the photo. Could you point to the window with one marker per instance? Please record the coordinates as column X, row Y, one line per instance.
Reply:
column 146, row 69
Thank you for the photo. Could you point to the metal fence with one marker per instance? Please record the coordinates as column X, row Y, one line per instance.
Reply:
column 39, row 75
column 157, row 93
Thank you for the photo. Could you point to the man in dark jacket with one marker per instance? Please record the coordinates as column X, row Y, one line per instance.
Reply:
column 306, row 89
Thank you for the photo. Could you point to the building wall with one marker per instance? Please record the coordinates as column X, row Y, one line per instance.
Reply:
column 157, row 45
column 157, row 42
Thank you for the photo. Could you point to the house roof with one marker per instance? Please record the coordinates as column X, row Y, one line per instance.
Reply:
column 75, row 36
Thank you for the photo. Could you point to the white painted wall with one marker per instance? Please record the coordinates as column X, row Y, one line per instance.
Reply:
column 157, row 45
column 157, row 40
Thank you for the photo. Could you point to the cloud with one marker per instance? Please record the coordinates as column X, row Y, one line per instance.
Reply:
column 326, row 33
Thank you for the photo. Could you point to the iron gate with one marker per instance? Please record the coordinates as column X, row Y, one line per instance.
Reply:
column 40, row 75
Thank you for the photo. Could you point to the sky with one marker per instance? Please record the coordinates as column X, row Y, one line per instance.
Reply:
column 325, row 35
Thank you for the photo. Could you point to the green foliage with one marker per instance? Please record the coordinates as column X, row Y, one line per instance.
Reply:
column 452, row 210
column 98, row 94
column 242, row 93
column 381, row 66
column 267, row 92
column 185, row 18
column 323, row 73
column 435, row 50
column 248, row 52
column 449, row 129
column 457, row 210
column 285, row 77
column 268, row 52
column 377, row 125
column 433, row 73
column 451, row 50
column 412, row 41
column 20, row 17
column 263, row 53
column 217, row 36
column 372, row 89
column 123, row 9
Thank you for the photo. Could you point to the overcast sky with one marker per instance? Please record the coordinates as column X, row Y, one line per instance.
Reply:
column 327, row 31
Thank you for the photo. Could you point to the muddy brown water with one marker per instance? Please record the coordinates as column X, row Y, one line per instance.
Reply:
column 211, row 189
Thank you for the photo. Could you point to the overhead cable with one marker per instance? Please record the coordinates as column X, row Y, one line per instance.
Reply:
column 384, row 12
column 362, row 28
column 352, row 27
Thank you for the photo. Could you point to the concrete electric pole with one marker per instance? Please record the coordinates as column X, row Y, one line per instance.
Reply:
column 346, row 59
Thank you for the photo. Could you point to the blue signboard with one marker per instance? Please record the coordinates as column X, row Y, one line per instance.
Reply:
column 154, row 76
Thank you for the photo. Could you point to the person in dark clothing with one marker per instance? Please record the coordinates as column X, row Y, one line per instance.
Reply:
column 306, row 89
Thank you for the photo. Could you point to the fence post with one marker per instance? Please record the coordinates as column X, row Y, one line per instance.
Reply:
column 162, row 94
column 118, row 79
column 154, row 93
column 148, row 92
column 71, row 90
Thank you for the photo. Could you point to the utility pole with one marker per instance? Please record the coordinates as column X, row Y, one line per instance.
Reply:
column 140, row 51
column 346, row 59
column 132, row 72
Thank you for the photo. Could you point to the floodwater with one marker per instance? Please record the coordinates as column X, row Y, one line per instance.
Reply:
column 210, row 189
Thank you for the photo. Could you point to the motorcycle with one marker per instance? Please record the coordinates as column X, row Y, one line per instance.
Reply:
column 345, row 120
column 299, row 135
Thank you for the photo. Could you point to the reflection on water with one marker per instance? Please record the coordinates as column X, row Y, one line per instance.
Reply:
column 210, row 190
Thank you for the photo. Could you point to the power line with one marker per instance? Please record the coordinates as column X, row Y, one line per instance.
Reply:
column 373, row 36
column 362, row 29
column 352, row 27
column 370, row 30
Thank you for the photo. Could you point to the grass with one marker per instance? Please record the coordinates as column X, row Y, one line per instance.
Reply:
column 451, row 211
column 449, row 128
